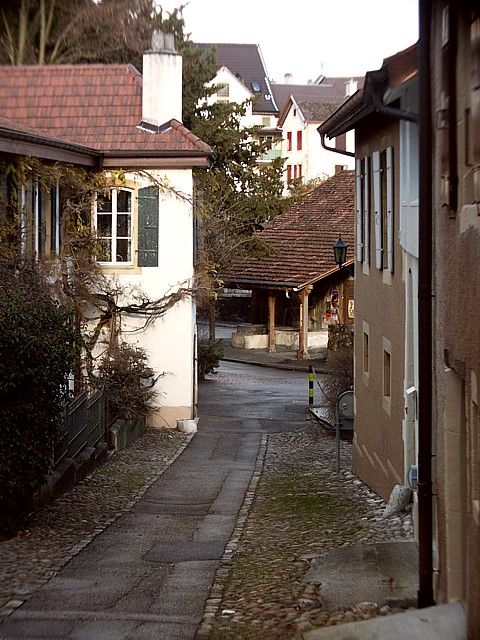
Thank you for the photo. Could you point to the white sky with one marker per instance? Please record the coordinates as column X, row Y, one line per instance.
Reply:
column 307, row 37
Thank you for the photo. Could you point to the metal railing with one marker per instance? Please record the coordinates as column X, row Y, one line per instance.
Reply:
column 84, row 425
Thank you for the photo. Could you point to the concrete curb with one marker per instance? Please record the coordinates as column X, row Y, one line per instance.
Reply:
column 277, row 365
column 214, row 600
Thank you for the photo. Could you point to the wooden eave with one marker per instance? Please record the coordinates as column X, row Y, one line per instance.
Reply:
column 25, row 145
column 283, row 285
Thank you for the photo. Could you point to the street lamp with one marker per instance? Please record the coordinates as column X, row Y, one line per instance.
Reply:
column 340, row 252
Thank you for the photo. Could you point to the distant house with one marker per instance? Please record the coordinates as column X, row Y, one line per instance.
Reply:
column 297, row 289
column 242, row 76
column 109, row 117
column 305, row 158
column 303, row 109
column 386, row 269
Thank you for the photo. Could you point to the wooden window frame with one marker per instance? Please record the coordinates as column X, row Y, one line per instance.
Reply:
column 114, row 237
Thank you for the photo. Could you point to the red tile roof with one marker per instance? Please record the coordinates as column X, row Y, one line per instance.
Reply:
column 302, row 239
column 99, row 106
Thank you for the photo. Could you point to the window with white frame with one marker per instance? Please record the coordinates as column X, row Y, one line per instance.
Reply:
column 362, row 210
column 383, row 208
column 114, row 222
column 223, row 92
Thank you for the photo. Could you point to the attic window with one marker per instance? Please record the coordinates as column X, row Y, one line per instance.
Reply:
column 223, row 91
column 256, row 87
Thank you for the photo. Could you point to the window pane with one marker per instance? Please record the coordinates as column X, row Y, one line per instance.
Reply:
column 104, row 226
column 123, row 225
column 104, row 201
column 124, row 200
column 123, row 250
column 105, row 254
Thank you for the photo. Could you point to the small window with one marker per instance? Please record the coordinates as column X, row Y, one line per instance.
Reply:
column 114, row 226
column 289, row 173
column 366, row 354
column 386, row 374
column 223, row 91
column 256, row 87
column 299, row 140
column 289, row 141
column 266, row 121
column 300, row 170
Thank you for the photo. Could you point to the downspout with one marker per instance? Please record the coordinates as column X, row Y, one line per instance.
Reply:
column 344, row 153
column 425, row 349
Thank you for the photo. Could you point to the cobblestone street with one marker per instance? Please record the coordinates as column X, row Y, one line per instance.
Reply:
column 295, row 510
column 301, row 509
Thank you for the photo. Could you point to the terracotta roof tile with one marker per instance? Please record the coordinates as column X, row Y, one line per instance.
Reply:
column 301, row 240
column 99, row 106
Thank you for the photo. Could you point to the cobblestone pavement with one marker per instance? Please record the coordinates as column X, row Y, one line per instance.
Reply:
column 301, row 509
column 58, row 531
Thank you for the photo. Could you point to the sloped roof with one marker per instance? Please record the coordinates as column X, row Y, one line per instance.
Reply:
column 330, row 90
column 301, row 240
column 312, row 110
column 99, row 106
column 246, row 62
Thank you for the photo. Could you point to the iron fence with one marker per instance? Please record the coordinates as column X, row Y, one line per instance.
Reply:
column 84, row 425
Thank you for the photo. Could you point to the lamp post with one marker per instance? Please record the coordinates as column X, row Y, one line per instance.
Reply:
column 340, row 252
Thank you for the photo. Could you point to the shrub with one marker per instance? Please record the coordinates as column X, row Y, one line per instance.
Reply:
column 210, row 352
column 340, row 378
column 37, row 351
column 130, row 381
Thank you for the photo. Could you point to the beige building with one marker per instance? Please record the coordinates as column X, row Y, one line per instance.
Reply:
column 384, row 445
column 455, row 82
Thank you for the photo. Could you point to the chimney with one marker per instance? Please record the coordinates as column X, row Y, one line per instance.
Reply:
column 350, row 87
column 287, row 78
column 162, row 81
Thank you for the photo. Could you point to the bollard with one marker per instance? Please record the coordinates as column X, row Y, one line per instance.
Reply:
column 311, row 380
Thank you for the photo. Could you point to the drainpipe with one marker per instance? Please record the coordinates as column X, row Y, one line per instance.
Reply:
column 425, row 350
column 344, row 153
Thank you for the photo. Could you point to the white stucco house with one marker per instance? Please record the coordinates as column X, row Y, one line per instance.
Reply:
column 305, row 158
column 242, row 76
column 126, row 123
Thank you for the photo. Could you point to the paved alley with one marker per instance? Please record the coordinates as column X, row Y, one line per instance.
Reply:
column 147, row 575
column 241, row 520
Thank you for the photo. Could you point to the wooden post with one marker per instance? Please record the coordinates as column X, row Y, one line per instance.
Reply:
column 212, row 319
column 271, row 321
column 303, row 326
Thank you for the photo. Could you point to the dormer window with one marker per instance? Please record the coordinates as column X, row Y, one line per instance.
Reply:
column 256, row 87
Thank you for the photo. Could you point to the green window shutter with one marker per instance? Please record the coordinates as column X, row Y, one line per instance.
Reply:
column 148, row 227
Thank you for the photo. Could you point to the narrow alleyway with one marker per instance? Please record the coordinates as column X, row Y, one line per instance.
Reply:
column 147, row 575
column 143, row 553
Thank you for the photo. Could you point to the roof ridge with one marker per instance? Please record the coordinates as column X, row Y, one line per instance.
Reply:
column 182, row 129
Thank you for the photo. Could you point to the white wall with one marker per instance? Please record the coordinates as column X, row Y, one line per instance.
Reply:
column 169, row 341
column 408, row 242
column 315, row 160
column 238, row 93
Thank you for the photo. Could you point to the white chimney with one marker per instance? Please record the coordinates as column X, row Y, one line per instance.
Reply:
column 287, row 78
column 162, row 81
column 350, row 87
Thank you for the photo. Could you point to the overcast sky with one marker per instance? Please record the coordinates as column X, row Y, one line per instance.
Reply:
column 307, row 37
